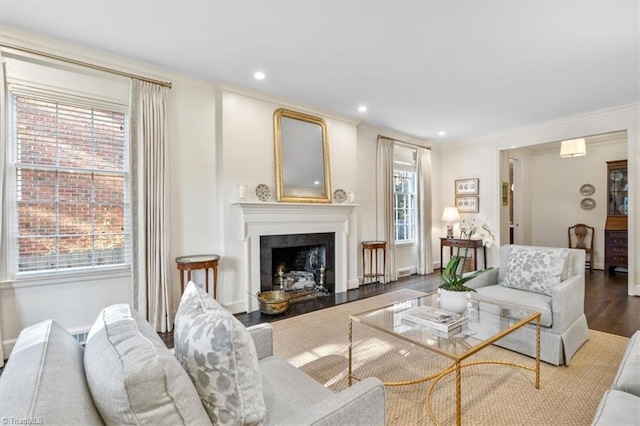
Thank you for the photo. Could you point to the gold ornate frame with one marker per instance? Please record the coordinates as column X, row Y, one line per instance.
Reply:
column 281, row 192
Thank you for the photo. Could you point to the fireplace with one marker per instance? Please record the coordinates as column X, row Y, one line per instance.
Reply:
column 298, row 262
column 260, row 219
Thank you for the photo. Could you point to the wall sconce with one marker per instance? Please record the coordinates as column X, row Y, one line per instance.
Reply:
column 573, row 148
column 450, row 215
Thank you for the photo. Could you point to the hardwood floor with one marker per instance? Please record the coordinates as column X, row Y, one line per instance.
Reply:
column 607, row 306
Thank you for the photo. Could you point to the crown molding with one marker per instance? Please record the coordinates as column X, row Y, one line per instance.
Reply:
column 527, row 134
column 71, row 50
column 286, row 102
column 396, row 134
column 594, row 141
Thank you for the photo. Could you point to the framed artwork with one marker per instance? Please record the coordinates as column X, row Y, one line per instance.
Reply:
column 505, row 193
column 468, row 204
column 467, row 186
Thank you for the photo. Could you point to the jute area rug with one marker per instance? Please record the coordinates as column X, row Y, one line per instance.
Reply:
column 318, row 342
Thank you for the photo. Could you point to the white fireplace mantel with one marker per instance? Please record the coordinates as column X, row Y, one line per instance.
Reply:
column 273, row 218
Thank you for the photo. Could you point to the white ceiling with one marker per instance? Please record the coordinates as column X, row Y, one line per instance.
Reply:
column 468, row 68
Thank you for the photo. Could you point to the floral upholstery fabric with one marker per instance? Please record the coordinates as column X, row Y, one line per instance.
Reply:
column 536, row 269
column 219, row 355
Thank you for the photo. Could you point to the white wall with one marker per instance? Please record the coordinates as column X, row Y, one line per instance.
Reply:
column 522, row 197
column 473, row 161
column 407, row 254
column 194, row 215
column 247, row 147
column 481, row 158
column 555, row 184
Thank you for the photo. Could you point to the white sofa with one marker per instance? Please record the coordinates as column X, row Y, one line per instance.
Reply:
column 620, row 405
column 564, row 324
column 126, row 375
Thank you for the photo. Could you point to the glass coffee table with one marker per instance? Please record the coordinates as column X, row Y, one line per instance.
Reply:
column 488, row 322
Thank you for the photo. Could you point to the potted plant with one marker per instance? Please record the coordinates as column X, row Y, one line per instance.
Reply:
column 453, row 291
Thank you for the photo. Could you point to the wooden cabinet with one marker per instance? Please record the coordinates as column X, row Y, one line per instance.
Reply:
column 615, row 230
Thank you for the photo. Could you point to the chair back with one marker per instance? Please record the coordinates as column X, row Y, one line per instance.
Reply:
column 581, row 236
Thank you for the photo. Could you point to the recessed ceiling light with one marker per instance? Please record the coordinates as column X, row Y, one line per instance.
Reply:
column 259, row 75
column 362, row 108
column 316, row 182
column 442, row 133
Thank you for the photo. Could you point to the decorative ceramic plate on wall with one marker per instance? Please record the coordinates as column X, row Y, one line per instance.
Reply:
column 340, row 196
column 616, row 176
column 263, row 192
column 588, row 203
column 587, row 189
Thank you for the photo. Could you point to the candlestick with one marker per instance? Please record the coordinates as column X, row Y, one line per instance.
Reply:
column 281, row 278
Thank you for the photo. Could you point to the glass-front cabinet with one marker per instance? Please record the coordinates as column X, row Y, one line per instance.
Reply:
column 618, row 188
column 615, row 230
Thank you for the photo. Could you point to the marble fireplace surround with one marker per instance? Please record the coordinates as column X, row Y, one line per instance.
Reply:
column 272, row 218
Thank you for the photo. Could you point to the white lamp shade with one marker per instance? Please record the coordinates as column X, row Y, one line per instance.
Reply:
column 450, row 214
column 573, row 148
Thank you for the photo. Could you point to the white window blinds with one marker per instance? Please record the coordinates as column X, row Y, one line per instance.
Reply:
column 71, row 165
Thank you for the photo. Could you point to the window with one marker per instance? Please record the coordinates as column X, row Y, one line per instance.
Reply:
column 404, row 205
column 71, row 175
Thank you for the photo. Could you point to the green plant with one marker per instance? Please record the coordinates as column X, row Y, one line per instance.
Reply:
column 452, row 276
column 453, row 281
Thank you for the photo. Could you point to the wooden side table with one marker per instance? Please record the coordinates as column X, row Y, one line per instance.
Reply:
column 462, row 243
column 196, row 262
column 373, row 247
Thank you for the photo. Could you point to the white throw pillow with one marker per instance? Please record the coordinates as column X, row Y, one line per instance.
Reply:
column 219, row 355
column 133, row 378
column 536, row 269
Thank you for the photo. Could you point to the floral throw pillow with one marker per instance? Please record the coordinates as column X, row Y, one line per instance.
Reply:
column 536, row 269
column 220, row 357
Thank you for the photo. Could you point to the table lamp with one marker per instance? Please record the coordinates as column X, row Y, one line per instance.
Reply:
column 450, row 215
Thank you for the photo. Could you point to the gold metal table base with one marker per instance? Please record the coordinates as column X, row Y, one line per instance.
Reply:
column 455, row 366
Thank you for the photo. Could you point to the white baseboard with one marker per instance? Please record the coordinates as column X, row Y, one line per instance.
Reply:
column 7, row 347
column 236, row 307
column 351, row 284
column 405, row 272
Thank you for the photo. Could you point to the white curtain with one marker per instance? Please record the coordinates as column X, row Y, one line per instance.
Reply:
column 384, row 205
column 3, row 153
column 149, row 189
column 423, row 231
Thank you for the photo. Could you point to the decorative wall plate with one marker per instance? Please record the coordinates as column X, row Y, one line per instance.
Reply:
column 263, row 192
column 339, row 196
column 616, row 176
column 587, row 189
column 588, row 203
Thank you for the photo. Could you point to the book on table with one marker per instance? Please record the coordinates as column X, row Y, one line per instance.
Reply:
column 438, row 319
column 432, row 332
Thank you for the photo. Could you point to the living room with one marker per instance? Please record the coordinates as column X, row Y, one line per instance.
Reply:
column 221, row 136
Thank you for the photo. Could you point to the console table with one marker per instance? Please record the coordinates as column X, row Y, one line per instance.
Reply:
column 462, row 243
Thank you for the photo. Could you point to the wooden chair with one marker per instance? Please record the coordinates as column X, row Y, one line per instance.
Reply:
column 581, row 237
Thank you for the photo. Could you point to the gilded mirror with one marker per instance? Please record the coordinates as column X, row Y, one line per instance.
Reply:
column 301, row 157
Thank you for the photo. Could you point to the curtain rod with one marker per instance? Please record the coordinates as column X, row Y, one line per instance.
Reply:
column 85, row 64
column 404, row 142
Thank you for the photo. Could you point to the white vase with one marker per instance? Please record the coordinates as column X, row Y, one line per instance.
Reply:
column 454, row 301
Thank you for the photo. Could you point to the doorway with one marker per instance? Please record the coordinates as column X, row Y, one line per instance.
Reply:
column 515, row 201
